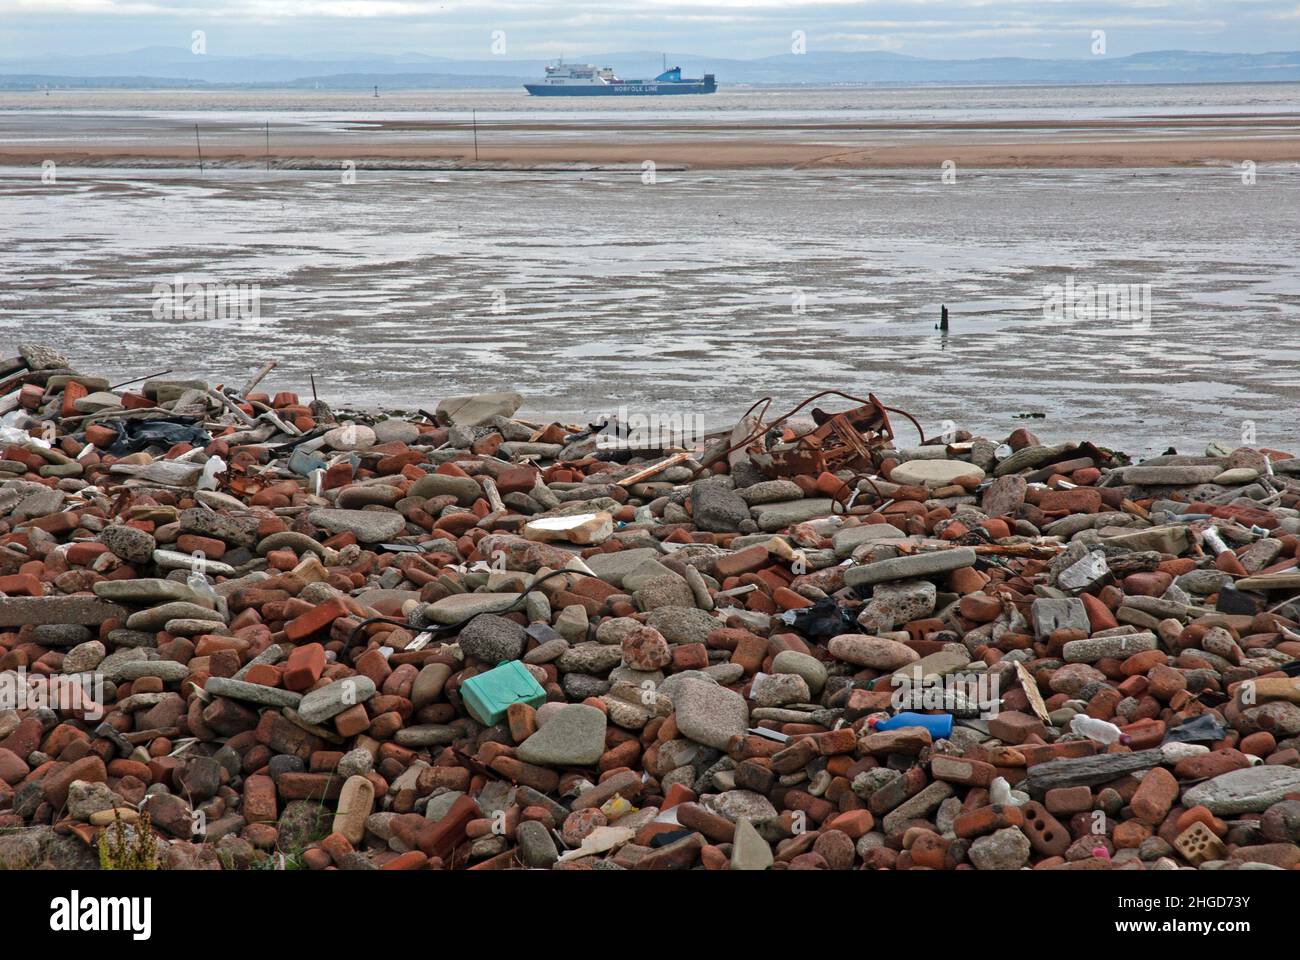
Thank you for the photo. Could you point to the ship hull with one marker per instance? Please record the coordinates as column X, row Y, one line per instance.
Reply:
column 618, row 89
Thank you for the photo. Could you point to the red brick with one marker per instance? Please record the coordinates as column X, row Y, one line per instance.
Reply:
column 21, row 585
column 259, row 799
column 443, row 836
column 304, row 666
column 1155, row 796
column 316, row 619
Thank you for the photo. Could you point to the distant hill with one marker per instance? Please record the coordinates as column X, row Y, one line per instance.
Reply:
column 177, row 67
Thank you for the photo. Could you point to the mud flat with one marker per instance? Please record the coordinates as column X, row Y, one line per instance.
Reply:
column 698, row 292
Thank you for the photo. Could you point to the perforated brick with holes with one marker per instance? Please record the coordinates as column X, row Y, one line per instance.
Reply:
column 1198, row 844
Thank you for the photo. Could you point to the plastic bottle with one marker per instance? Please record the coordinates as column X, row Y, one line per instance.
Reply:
column 1000, row 792
column 214, row 466
column 939, row 724
column 1098, row 730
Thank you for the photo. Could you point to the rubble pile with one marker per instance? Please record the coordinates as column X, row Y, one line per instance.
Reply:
column 464, row 639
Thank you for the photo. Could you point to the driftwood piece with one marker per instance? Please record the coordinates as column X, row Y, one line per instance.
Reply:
column 654, row 468
column 493, row 495
column 230, row 405
column 1089, row 771
column 257, row 378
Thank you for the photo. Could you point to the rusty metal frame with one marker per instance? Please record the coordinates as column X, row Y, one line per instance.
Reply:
column 845, row 440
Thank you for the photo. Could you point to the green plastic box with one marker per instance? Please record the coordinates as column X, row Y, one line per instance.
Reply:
column 488, row 695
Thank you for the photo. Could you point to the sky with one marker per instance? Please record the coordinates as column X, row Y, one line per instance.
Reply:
column 525, row 29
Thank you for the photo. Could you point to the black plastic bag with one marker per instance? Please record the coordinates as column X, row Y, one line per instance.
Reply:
column 136, row 435
column 825, row 618
column 1204, row 728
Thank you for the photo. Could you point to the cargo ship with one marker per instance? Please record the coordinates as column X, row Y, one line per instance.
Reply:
column 586, row 80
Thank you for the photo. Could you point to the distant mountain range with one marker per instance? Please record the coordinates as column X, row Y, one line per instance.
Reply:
column 167, row 67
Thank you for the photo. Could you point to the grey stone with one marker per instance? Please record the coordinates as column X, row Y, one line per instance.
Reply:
column 491, row 638
column 770, row 491
column 252, row 692
column 395, row 431
column 234, row 529
column 1173, row 475
column 645, row 572
column 465, row 489
column 1050, row 615
column 463, row 606
column 144, row 590
column 84, row 657
column 1120, row 646
column 302, row 822
column 845, row 541
column 1090, row 771
column 40, row 357
column 898, row 602
column 199, row 778
column 749, row 851
column 1005, row 849
column 683, row 624
column 708, row 713
column 536, row 845
column 934, row 473
column 1029, row 457
column 777, row 516
column 38, row 847
column 572, row 624
column 332, row 699
column 592, row 658
column 428, row 684
column 717, row 508
column 38, row 503
column 155, row 618
column 1083, row 573
column 909, row 567
column 85, row 799
column 666, row 591
column 355, row 763
column 778, row 689
column 737, row 805
column 130, row 543
column 573, row 736
column 810, row 668
column 475, row 409
column 1249, row 790
column 362, row 495
column 369, row 526
column 168, row 671
column 612, row 567
column 26, row 611
column 920, row 805
column 1165, row 539
column 60, row 634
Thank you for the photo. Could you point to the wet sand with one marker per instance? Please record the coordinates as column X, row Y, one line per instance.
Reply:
column 735, row 132
column 695, row 295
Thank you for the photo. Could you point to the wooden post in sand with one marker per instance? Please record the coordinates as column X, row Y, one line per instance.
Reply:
column 198, row 144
